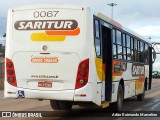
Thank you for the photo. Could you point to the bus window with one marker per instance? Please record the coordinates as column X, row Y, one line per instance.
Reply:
column 98, row 47
column 119, row 39
column 119, row 52
column 97, row 30
column 135, row 52
column 114, row 51
column 132, row 55
column 124, row 47
column 132, row 43
column 114, row 37
column 124, row 40
column 141, row 46
column 128, row 40
column 124, row 53
column 128, row 54
column 146, row 54
column 135, row 44
column 114, row 45
column 141, row 51
column 138, row 51
column 119, row 44
column 97, row 39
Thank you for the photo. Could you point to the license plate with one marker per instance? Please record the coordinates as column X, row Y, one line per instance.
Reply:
column 45, row 84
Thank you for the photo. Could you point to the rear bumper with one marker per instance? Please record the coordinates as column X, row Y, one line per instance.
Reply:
column 67, row 95
column 56, row 95
column 37, row 94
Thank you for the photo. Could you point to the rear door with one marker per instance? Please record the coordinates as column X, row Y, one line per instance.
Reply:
column 107, row 59
column 103, row 47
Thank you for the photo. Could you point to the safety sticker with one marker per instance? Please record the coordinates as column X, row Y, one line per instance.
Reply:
column 21, row 94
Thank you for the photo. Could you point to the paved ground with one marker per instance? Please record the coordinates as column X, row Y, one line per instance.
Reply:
column 151, row 103
column 1, row 95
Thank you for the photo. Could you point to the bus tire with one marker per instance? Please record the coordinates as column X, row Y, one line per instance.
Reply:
column 60, row 105
column 54, row 104
column 141, row 96
column 117, row 106
column 64, row 105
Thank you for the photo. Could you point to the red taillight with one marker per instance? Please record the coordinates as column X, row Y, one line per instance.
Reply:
column 11, row 76
column 82, row 74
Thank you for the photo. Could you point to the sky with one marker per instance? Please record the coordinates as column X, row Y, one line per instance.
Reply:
column 141, row 16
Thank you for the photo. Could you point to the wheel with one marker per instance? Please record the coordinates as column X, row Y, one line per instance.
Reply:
column 60, row 105
column 141, row 96
column 54, row 104
column 117, row 106
column 65, row 105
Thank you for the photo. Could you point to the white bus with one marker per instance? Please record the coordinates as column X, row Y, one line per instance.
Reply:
column 69, row 55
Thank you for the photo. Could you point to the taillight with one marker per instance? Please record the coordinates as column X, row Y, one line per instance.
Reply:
column 11, row 76
column 82, row 74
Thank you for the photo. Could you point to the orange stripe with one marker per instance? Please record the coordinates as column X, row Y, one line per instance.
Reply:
column 141, row 78
column 63, row 32
column 43, row 37
column 104, row 68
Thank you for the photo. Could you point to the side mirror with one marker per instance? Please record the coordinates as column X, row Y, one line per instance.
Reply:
column 154, row 55
column 4, row 35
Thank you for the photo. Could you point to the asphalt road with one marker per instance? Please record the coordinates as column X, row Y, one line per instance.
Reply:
column 151, row 103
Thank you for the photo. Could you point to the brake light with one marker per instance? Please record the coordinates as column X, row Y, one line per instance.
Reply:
column 11, row 75
column 82, row 74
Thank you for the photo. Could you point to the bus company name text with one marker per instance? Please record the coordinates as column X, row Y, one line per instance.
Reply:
column 138, row 70
column 46, row 25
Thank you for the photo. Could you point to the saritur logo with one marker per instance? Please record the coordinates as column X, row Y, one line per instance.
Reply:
column 54, row 30
column 138, row 70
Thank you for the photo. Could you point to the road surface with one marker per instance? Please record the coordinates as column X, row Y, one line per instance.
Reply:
column 151, row 103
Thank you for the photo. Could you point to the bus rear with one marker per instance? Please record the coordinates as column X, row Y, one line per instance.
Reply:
column 45, row 56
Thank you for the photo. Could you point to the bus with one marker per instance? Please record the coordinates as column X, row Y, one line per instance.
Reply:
column 72, row 55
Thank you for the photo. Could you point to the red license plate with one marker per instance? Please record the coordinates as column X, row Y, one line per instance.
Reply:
column 45, row 84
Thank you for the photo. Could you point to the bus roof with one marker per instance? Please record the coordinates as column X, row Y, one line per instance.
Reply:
column 118, row 25
column 55, row 6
